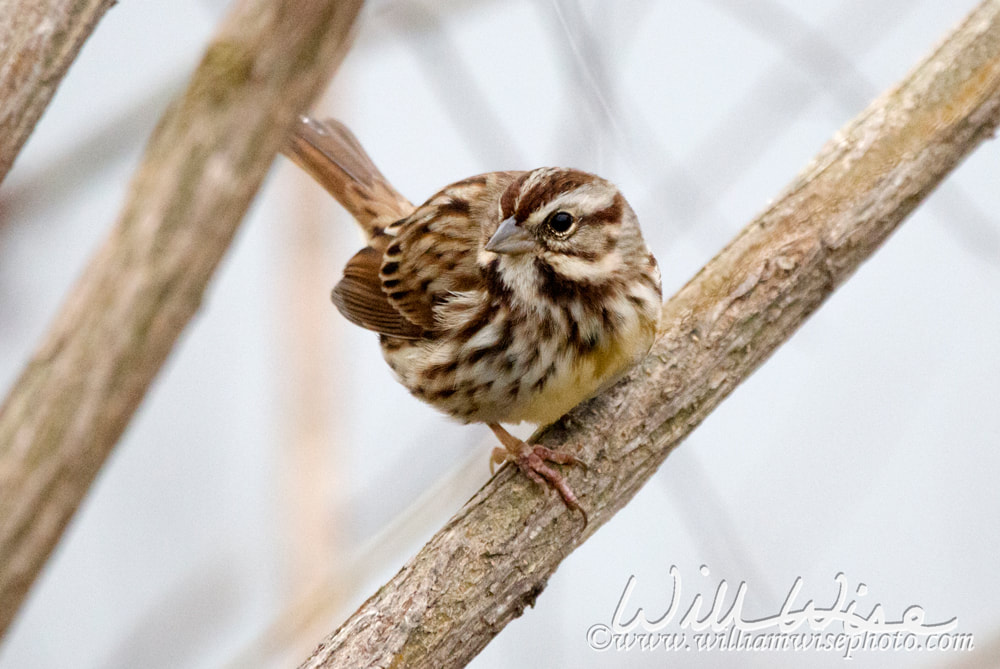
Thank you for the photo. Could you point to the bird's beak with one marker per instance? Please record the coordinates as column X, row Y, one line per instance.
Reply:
column 510, row 238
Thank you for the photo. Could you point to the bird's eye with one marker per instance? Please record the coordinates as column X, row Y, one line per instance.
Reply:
column 560, row 222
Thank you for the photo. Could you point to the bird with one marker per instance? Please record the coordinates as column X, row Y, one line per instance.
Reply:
column 506, row 297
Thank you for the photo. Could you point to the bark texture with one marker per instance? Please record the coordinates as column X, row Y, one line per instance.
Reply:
column 201, row 168
column 38, row 41
column 494, row 558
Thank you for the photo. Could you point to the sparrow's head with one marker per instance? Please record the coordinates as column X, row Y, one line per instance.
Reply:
column 575, row 224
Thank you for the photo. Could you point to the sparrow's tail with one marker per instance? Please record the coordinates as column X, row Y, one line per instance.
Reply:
column 331, row 154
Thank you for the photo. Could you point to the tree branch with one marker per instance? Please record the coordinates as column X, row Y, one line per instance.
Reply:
column 38, row 41
column 494, row 558
column 202, row 166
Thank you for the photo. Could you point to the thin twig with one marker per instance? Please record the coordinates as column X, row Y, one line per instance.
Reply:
column 494, row 558
column 202, row 166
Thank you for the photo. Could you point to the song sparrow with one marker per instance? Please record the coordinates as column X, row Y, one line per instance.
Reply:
column 506, row 297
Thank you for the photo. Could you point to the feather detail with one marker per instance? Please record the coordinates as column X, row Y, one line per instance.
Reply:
column 360, row 298
column 331, row 155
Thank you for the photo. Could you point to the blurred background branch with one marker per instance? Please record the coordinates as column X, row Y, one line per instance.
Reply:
column 38, row 41
column 201, row 169
column 494, row 558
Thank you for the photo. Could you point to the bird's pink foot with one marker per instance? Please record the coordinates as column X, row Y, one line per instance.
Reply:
column 532, row 460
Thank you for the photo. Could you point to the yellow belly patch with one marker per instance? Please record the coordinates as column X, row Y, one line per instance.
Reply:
column 586, row 375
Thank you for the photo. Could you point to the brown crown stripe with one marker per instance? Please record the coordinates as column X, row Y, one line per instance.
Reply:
column 508, row 201
column 548, row 190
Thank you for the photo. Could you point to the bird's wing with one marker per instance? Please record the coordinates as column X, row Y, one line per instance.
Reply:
column 359, row 296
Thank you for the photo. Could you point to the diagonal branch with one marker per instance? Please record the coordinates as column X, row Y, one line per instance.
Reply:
column 493, row 559
column 38, row 41
column 202, row 166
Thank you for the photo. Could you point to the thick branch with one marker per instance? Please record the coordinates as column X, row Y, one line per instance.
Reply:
column 495, row 556
column 38, row 41
column 203, row 165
